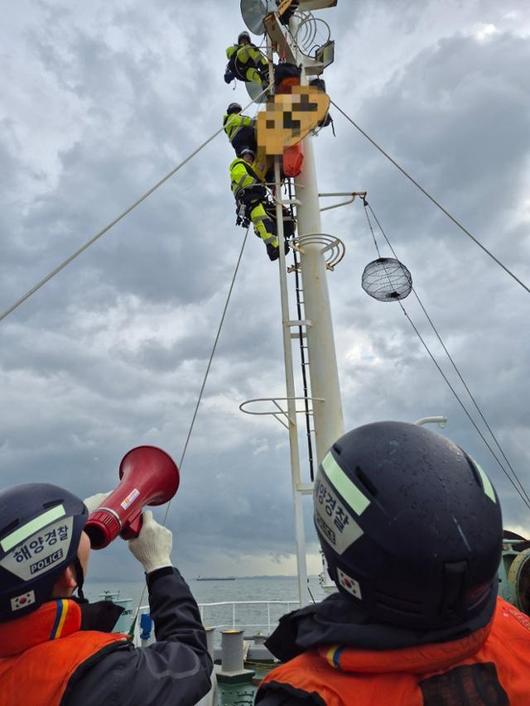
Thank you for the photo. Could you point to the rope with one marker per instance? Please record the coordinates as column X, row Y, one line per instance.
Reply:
column 365, row 203
column 455, row 393
column 122, row 215
column 520, row 490
column 432, row 199
column 214, row 347
column 455, row 367
column 201, row 392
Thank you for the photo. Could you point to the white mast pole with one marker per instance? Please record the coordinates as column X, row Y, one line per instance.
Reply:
column 323, row 371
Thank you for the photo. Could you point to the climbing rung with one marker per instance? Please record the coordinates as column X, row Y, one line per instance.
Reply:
column 298, row 322
column 297, row 334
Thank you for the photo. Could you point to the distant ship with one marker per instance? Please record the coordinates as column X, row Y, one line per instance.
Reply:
column 216, row 578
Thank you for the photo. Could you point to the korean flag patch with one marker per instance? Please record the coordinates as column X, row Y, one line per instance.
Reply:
column 351, row 585
column 22, row 601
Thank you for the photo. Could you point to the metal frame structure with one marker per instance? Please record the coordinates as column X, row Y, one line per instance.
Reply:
column 317, row 253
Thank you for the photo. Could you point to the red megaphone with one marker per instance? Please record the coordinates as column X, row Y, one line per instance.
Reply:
column 148, row 476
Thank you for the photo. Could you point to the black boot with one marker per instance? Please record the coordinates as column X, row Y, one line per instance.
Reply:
column 272, row 252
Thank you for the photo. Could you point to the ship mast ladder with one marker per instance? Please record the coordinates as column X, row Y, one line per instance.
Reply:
column 314, row 253
column 302, row 339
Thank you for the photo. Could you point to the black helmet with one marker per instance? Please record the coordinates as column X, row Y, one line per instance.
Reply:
column 243, row 35
column 409, row 524
column 233, row 108
column 40, row 530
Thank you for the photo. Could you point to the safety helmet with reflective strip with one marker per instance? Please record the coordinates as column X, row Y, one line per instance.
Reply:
column 40, row 531
column 410, row 526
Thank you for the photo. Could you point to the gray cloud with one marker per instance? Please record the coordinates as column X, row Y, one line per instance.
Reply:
column 102, row 102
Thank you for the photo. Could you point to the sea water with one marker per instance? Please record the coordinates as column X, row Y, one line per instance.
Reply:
column 250, row 595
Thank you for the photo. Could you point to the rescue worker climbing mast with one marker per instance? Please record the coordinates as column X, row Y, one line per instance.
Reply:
column 246, row 62
column 253, row 204
column 240, row 129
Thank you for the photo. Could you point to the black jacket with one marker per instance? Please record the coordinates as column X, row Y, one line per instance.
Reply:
column 173, row 671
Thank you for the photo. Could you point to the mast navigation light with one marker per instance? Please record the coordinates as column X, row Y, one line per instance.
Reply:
column 386, row 279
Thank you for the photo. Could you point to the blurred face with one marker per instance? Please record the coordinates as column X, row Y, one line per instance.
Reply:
column 83, row 551
column 248, row 157
column 67, row 582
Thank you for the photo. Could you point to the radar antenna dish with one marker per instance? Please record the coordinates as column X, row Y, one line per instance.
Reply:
column 254, row 90
column 254, row 12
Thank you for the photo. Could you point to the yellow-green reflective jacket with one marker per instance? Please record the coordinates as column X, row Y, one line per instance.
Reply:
column 234, row 122
column 242, row 175
column 246, row 53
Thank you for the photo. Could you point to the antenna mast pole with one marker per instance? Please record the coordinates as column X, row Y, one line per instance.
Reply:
column 323, row 371
column 325, row 392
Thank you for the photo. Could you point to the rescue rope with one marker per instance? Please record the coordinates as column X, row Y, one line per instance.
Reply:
column 201, row 392
column 207, row 372
column 518, row 488
column 122, row 215
column 432, row 199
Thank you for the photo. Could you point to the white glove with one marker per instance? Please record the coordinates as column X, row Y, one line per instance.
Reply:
column 153, row 545
column 94, row 501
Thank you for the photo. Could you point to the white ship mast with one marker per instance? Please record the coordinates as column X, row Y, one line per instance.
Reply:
column 325, row 401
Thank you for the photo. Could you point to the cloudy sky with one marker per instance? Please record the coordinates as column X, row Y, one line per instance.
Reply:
column 99, row 101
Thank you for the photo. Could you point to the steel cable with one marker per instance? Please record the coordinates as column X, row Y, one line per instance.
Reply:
column 201, row 392
column 432, row 199
column 122, row 215
column 455, row 367
column 519, row 488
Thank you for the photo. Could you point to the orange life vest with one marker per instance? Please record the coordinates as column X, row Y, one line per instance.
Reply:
column 491, row 666
column 40, row 652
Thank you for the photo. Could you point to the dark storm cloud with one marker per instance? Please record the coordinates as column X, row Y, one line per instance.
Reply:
column 111, row 353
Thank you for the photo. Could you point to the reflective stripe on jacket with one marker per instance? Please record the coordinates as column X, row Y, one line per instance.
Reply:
column 246, row 53
column 242, row 175
column 243, row 59
column 233, row 123
column 490, row 667
column 40, row 652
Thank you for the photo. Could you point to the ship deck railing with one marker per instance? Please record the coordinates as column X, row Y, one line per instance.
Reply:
column 235, row 623
column 271, row 610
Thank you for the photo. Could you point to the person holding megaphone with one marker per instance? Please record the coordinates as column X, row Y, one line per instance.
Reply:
column 57, row 649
